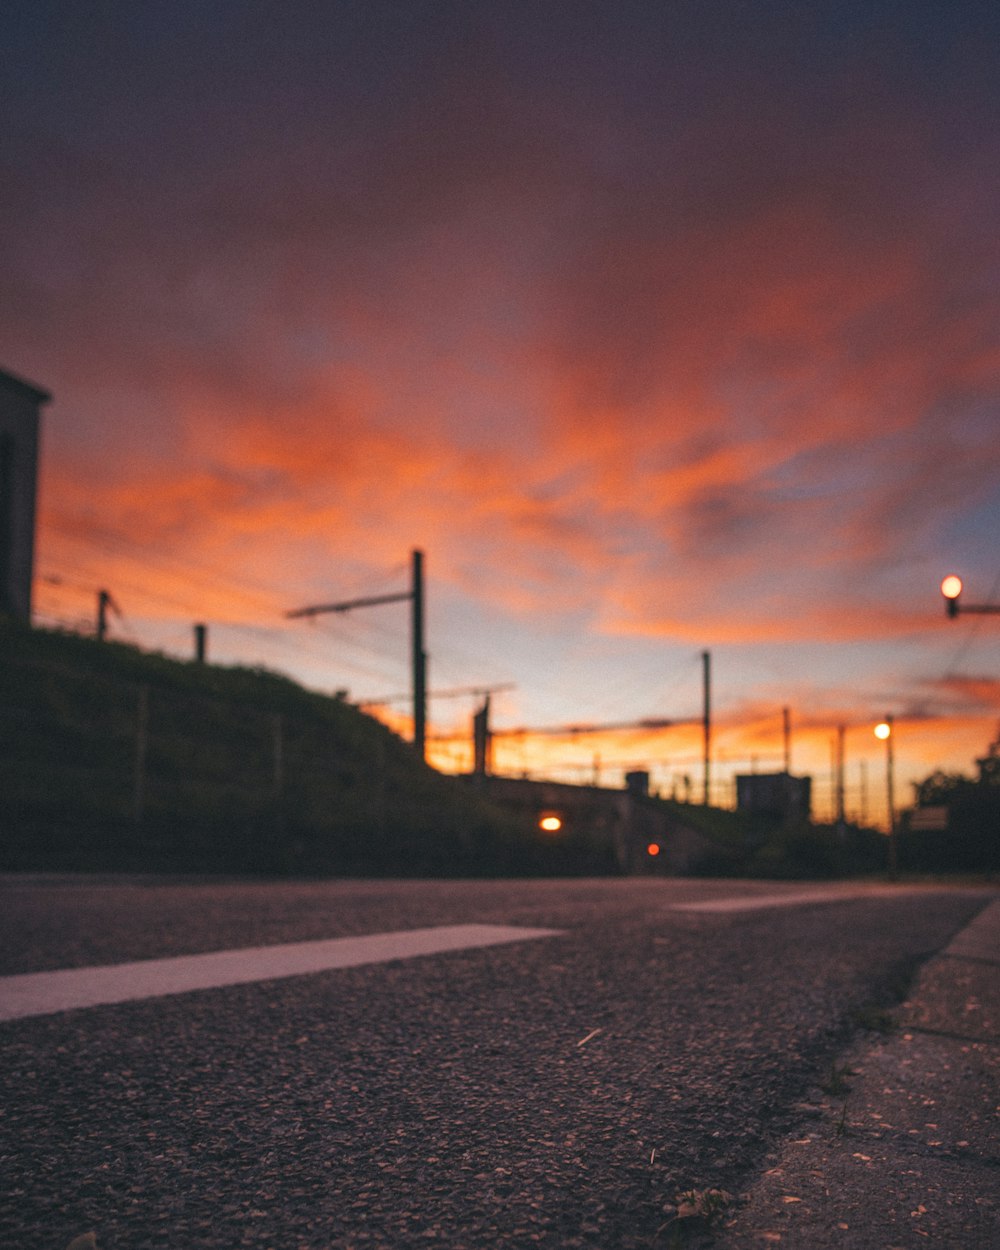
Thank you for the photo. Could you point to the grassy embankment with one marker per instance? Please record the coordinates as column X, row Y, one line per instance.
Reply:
column 114, row 759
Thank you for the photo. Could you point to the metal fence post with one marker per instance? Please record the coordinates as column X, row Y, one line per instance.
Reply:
column 141, row 746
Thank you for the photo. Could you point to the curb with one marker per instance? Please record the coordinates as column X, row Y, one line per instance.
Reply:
column 907, row 1153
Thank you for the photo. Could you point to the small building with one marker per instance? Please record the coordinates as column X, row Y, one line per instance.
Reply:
column 20, row 405
column 775, row 796
column 637, row 783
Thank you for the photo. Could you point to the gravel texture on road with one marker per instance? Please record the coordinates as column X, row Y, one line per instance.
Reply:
column 556, row 1093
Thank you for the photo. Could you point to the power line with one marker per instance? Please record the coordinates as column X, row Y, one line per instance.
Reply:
column 212, row 576
column 648, row 725
column 284, row 642
column 342, row 635
column 459, row 692
column 641, row 683
column 275, row 636
column 170, row 564
column 415, row 597
column 253, row 591
column 128, row 585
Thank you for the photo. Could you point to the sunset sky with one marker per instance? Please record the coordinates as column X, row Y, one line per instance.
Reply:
column 660, row 327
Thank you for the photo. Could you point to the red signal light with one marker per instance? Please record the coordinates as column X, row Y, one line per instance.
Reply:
column 653, row 848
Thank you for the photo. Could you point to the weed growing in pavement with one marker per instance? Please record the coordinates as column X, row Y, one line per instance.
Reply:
column 840, row 1128
column 697, row 1210
column 835, row 1083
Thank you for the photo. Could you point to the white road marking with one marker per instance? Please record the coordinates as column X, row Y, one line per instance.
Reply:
column 751, row 902
column 45, row 993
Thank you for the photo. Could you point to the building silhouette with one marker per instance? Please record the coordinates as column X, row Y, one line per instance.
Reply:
column 20, row 405
column 775, row 796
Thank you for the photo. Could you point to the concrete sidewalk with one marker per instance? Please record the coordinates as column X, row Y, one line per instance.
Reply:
column 902, row 1149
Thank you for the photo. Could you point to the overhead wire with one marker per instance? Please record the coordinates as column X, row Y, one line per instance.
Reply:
column 252, row 591
column 276, row 636
column 262, row 594
column 284, row 642
column 624, row 694
column 259, row 593
column 131, row 587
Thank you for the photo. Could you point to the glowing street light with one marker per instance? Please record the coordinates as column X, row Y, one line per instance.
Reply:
column 951, row 588
column 883, row 731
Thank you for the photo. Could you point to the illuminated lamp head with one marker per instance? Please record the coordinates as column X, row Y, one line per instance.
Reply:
column 550, row 823
column 883, row 730
column 951, row 588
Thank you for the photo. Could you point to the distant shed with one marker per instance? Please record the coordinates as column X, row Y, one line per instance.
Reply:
column 20, row 409
column 776, row 796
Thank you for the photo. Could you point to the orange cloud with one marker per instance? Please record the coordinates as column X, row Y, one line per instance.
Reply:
column 704, row 352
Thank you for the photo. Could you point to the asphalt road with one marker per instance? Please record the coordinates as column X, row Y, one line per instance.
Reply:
column 555, row 1092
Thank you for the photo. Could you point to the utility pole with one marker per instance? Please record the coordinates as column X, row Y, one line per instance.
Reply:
column 786, row 719
column 141, row 746
column 200, row 643
column 415, row 595
column 841, row 732
column 884, row 732
column 833, row 779
column 482, row 740
column 706, row 661
column 105, row 602
column 419, row 659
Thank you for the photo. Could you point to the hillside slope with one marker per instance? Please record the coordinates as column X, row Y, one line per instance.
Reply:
column 114, row 759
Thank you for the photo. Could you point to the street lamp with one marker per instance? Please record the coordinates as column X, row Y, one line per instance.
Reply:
column 951, row 588
column 883, row 731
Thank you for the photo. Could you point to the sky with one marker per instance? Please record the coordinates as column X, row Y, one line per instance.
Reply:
column 661, row 328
